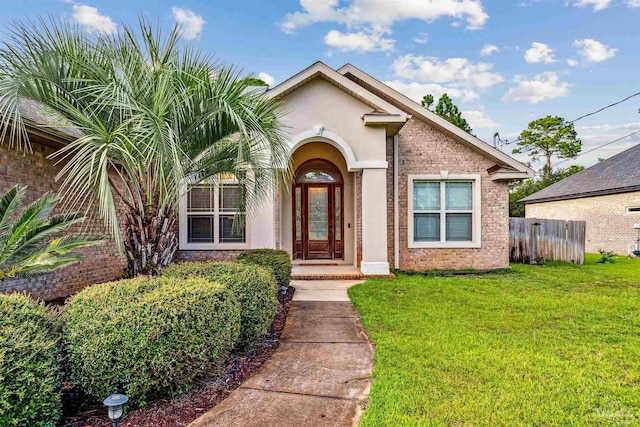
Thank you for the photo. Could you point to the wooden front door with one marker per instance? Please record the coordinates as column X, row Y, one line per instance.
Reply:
column 318, row 218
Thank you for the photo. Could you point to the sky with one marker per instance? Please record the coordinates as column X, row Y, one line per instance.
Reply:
column 504, row 63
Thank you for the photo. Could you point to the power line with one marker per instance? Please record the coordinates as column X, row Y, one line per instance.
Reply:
column 599, row 147
column 506, row 142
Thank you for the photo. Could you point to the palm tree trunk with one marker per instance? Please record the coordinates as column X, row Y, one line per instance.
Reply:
column 150, row 242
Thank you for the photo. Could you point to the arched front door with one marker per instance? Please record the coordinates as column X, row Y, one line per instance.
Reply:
column 318, row 195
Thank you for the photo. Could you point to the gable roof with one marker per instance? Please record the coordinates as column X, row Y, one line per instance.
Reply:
column 514, row 169
column 319, row 69
column 617, row 174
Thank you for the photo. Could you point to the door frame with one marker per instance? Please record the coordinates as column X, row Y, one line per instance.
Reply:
column 300, row 247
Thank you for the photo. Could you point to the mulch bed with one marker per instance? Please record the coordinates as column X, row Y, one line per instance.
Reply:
column 185, row 408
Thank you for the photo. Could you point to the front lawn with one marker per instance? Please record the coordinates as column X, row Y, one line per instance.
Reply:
column 543, row 345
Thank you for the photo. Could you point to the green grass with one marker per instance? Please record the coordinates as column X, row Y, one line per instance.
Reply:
column 551, row 345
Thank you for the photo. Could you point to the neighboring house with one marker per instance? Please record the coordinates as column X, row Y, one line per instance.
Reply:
column 379, row 182
column 606, row 196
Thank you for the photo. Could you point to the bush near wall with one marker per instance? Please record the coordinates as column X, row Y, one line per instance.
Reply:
column 148, row 337
column 277, row 260
column 29, row 363
column 254, row 286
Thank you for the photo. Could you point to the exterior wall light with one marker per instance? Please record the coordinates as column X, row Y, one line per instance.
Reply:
column 114, row 404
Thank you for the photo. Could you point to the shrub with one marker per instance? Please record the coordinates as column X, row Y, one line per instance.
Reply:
column 606, row 256
column 254, row 286
column 147, row 337
column 29, row 363
column 275, row 259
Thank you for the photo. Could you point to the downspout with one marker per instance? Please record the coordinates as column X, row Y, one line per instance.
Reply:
column 396, row 226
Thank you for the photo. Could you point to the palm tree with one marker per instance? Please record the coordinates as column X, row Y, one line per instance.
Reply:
column 155, row 116
column 28, row 242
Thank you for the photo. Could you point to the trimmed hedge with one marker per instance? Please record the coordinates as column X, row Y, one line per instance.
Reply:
column 277, row 260
column 148, row 337
column 254, row 286
column 29, row 363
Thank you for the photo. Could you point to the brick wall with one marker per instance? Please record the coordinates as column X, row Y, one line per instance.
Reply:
column 99, row 264
column 207, row 255
column 425, row 150
column 609, row 226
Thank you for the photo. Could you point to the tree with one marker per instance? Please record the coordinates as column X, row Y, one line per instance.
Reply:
column 254, row 81
column 156, row 117
column 427, row 101
column 549, row 136
column 30, row 243
column 521, row 190
column 447, row 110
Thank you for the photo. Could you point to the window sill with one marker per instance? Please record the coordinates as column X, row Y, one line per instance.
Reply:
column 445, row 245
column 214, row 246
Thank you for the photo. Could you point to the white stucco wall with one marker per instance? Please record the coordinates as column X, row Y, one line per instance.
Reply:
column 319, row 103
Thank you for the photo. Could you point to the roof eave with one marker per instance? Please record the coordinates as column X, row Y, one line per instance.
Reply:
column 585, row 195
column 437, row 120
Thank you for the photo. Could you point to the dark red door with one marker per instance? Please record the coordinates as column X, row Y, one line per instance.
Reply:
column 318, row 212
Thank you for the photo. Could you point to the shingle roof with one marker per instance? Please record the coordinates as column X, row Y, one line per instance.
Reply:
column 46, row 119
column 617, row 174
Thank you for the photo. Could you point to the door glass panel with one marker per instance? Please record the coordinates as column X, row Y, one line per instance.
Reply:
column 338, row 214
column 298, row 213
column 318, row 215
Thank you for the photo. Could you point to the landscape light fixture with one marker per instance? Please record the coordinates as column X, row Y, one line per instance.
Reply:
column 114, row 404
column 283, row 292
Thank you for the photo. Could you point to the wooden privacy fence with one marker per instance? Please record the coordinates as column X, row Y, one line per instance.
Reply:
column 534, row 240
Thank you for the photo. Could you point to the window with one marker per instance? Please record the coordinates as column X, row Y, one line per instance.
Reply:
column 444, row 212
column 211, row 216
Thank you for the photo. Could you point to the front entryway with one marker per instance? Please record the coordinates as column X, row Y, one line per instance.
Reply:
column 318, row 200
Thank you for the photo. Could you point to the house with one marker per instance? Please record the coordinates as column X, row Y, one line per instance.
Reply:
column 606, row 196
column 379, row 182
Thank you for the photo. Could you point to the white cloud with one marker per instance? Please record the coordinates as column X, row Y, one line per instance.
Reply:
column 608, row 127
column 423, row 38
column 456, row 72
column 633, row 3
column 267, row 78
column 539, row 53
column 416, row 91
column 543, row 86
column 191, row 23
column 478, row 119
column 380, row 14
column 572, row 62
column 489, row 49
column 92, row 20
column 359, row 42
column 597, row 4
column 594, row 51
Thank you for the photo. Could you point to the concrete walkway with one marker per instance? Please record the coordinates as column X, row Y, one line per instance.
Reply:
column 318, row 376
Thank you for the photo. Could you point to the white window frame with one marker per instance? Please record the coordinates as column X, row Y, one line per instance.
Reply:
column 183, row 220
column 632, row 212
column 476, row 213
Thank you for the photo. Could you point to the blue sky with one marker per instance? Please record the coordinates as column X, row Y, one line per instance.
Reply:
column 504, row 63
